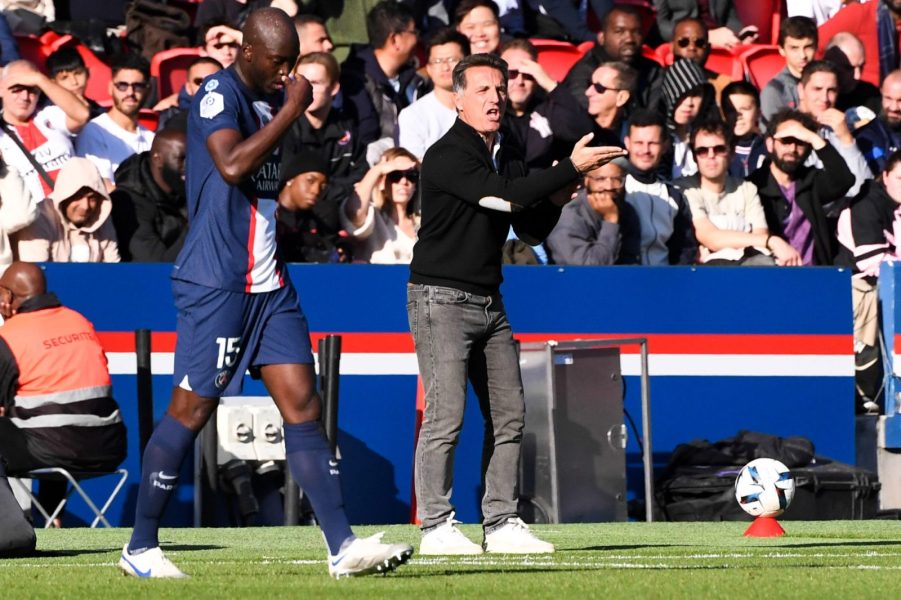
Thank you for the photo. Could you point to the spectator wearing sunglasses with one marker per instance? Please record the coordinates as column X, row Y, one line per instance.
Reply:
column 382, row 216
column 179, row 102
column 542, row 118
column 112, row 137
column 45, row 132
column 691, row 42
column 726, row 212
column 611, row 88
column 793, row 193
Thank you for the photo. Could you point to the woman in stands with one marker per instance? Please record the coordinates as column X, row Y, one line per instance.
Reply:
column 382, row 215
column 479, row 21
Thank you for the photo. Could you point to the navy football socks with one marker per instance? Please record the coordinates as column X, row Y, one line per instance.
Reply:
column 163, row 456
column 316, row 472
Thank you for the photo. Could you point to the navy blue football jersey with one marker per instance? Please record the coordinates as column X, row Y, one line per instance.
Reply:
column 231, row 241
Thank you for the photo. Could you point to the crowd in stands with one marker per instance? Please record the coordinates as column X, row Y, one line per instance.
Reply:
column 719, row 171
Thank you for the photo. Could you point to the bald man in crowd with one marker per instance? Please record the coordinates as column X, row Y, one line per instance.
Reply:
column 847, row 53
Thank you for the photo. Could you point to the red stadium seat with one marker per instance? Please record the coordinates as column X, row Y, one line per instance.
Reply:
column 555, row 57
column 721, row 60
column 149, row 118
column 170, row 69
column 761, row 63
column 766, row 14
column 31, row 48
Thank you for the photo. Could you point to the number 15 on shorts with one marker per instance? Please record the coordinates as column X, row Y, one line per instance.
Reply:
column 228, row 351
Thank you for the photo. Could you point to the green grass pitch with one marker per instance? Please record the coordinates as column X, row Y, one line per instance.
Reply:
column 837, row 559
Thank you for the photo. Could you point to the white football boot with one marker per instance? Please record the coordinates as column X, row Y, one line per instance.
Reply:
column 150, row 563
column 368, row 555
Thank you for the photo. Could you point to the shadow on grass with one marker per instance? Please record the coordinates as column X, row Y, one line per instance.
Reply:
column 626, row 547
column 838, row 544
column 509, row 570
column 190, row 547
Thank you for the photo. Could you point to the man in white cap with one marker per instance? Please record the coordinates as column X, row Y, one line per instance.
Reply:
column 74, row 223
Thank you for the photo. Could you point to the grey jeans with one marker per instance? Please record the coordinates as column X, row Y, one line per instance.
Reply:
column 459, row 335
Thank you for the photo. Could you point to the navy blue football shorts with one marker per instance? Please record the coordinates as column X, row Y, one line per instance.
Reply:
column 222, row 334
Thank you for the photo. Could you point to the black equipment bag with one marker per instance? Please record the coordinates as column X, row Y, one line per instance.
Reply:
column 824, row 490
column 154, row 26
column 833, row 490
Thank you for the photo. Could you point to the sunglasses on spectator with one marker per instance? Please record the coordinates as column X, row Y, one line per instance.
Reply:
column 411, row 175
column 600, row 88
column 791, row 141
column 718, row 150
column 139, row 86
column 197, row 80
column 696, row 42
column 514, row 73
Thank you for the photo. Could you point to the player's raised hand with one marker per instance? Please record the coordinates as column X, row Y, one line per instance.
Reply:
column 298, row 93
column 586, row 158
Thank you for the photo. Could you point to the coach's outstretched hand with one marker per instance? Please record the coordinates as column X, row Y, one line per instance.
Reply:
column 586, row 158
column 298, row 94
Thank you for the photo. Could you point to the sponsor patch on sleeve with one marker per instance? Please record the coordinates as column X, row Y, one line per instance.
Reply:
column 211, row 105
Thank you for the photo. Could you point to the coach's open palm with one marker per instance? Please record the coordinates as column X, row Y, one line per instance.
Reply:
column 586, row 158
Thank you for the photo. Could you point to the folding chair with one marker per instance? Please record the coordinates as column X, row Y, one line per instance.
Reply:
column 73, row 477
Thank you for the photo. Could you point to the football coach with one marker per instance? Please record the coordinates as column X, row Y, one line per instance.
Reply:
column 474, row 186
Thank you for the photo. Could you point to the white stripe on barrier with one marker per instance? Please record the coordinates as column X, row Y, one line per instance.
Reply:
column 684, row 365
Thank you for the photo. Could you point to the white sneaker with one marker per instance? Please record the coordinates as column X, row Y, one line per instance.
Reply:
column 514, row 537
column 150, row 563
column 447, row 540
column 368, row 555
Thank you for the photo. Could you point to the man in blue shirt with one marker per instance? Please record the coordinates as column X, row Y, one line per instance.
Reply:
column 237, row 309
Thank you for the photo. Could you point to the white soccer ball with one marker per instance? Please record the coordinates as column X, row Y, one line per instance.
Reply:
column 764, row 488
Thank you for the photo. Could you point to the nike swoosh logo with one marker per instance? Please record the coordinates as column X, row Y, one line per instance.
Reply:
column 138, row 571
column 164, row 476
column 334, row 562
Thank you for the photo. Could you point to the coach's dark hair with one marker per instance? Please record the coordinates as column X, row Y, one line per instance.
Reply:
column 700, row 23
column 477, row 60
column 791, row 114
column 205, row 60
column 467, row 6
column 386, row 18
column 817, row 66
column 132, row 61
column 448, row 35
column 713, row 126
column 798, row 28
column 306, row 19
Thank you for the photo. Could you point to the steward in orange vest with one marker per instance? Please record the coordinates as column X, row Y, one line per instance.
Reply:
column 56, row 405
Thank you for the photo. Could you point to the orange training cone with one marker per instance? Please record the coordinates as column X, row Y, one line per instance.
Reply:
column 765, row 527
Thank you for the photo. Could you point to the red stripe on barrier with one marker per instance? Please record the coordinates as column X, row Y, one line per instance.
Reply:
column 116, row 341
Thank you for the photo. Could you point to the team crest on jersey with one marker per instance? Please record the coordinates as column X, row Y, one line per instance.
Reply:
column 345, row 139
column 211, row 85
column 221, row 380
column 211, row 105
